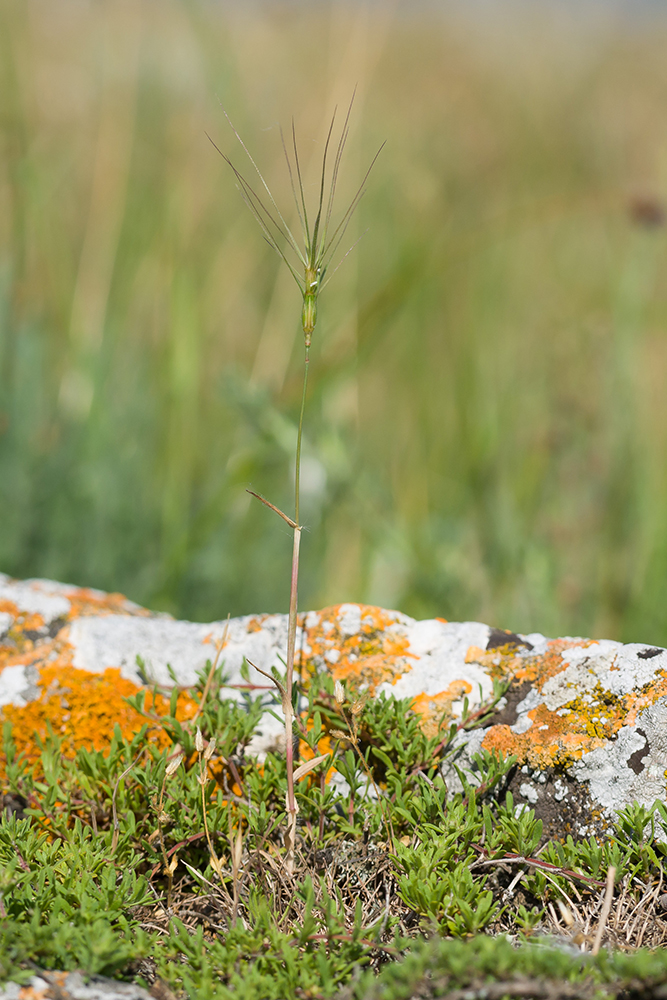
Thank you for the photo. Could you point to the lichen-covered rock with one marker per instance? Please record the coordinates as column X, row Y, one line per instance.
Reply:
column 586, row 719
column 72, row 986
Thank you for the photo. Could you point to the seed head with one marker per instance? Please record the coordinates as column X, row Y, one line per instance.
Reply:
column 173, row 766
column 309, row 257
column 339, row 693
column 199, row 741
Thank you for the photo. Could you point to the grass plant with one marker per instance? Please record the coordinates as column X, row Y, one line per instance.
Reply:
column 315, row 255
column 167, row 866
column 170, row 866
column 488, row 400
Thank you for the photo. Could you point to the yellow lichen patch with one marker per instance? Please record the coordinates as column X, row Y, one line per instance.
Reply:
column 637, row 701
column 510, row 663
column 552, row 740
column 583, row 724
column 371, row 656
column 501, row 663
column 597, row 714
column 82, row 709
column 436, row 709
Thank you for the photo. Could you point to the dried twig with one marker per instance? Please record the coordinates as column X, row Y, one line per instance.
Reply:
column 543, row 866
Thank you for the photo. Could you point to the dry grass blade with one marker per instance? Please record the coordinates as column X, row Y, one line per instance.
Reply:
column 606, row 908
column 309, row 766
column 272, row 506
column 543, row 866
column 270, row 677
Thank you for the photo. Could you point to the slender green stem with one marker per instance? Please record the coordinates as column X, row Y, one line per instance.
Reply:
column 297, row 477
column 291, row 628
column 314, row 256
column 294, row 589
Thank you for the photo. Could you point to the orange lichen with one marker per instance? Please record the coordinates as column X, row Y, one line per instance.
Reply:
column 23, row 651
column 256, row 623
column 583, row 724
column 9, row 608
column 510, row 663
column 437, row 709
column 637, row 701
column 22, row 647
column 24, row 621
column 368, row 658
column 218, row 768
column 557, row 737
column 552, row 740
column 86, row 602
column 82, row 709
column 30, row 993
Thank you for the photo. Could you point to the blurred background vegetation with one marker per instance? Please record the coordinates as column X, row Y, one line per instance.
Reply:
column 487, row 423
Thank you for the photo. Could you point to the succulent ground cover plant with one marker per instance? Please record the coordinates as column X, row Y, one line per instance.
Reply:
column 163, row 859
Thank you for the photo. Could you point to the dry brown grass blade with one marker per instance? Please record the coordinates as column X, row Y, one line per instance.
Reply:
column 272, row 506
column 274, row 680
column 543, row 866
column 606, row 908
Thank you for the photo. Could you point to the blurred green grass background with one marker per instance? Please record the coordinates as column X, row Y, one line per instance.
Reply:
column 487, row 422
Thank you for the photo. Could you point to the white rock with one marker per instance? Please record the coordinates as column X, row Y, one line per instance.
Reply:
column 32, row 597
column 593, row 716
